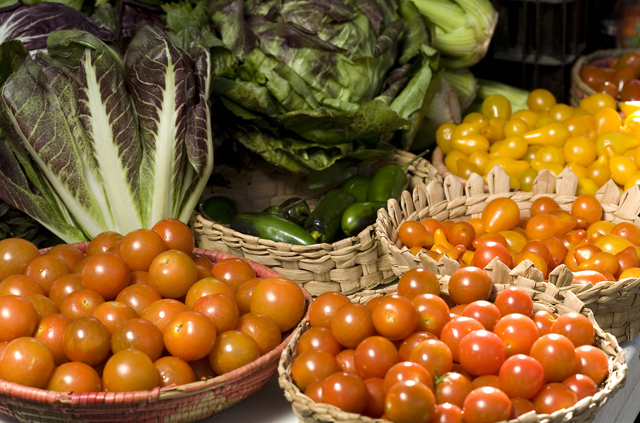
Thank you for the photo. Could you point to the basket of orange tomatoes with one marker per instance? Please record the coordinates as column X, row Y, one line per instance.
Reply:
column 584, row 244
column 451, row 348
column 137, row 327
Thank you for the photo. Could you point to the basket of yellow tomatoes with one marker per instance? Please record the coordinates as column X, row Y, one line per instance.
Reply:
column 140, row 327
column 457, row 348
column 589, row 245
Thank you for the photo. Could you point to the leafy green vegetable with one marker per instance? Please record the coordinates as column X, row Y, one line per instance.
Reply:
column 108, row 142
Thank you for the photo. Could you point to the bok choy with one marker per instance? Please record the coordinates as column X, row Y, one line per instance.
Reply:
column 95, row 141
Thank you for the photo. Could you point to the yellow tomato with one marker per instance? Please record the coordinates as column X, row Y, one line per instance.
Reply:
column 596, row 102
column 580, row 150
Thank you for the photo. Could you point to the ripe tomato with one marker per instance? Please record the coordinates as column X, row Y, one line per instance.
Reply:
column 26, row 361
column 501, row 214
column 374, row 407
column 114, row 313
column 575, row 326
column 50, row 331
column 138, row 334
column 413, row 234
column 140, row 277
column 243, row 294
column 447, row 413
column 130, row 370
column 220, row 309
column 410, row 402
column 517, row 332
column 485, row 405
column 312, row 365
column 86, row 339
column 394, row 317
column 553, row 397
column 80, row 303
column 64, row 286
column 592, row 362
column 434, row 355
column 75, row 376
column 469, row 284
column 46, row 269
column 234, row 271
column 323, row 308
column 15, row 255
column 208, row 286
column 175, row 234
column 521, row 376
column 433, row 313
column 407, row 370
column 490, row 250
column 582, row 385
column 172, row 273
column 352, row 323
column 232, row 350
column 346, row 391
column 160, row 312
column 514, row 300
column 189, row 335
column 557, row 355
column 20, row 285
column 69, row 253
column 18, row 318
column 174, row 371
column 453, row 388
column 102, row 242
column 492, row 381
column 262, row 328
column 374, row 356
column 281, row 299
column 455, row 330
column 410, row 342
column 418, row 280
column 319, row 339
column 543, row 320
column 462, row 233
column 520, row 406
column 105, row 273
column 481, row 352
column 139, row 248
column 138, row 297
column 346, row 361
column 483, row 311
column 202, row 369
column 43, row 305
column 314, row 391
column 543, row 205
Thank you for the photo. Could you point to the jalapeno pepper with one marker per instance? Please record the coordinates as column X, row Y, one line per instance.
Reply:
column 358, row 186
column 272, row 227
column 358, row 216
column 388, row 182
column 219, row 209
column 295, row 209
column 324, row 221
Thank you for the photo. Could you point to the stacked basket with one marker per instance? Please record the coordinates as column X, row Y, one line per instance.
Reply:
column 179, row 404
column 550, row 300
column 615, row 304
column 348, row 265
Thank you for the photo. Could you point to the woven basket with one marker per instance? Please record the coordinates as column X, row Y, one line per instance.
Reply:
column 547, row 298
column 181, row 404
column 615, row 304
column 599, row 58
column 348, row 265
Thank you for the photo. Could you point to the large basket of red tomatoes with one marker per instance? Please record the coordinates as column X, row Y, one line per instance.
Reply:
column 614, row 71
column 451, row 349
column 593, row 241
column 140, row 327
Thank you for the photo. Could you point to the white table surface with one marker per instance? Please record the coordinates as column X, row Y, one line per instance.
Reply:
column 269, row 405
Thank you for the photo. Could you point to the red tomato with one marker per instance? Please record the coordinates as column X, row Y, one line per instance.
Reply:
column 434, row 355
column 346, row 391
column 234, row 271
column 484, row 312
column 175, row 234
column 553, row 397
column 592, row 362
column 521, row 376
column 26, row 361
column 281, row 299
column 469, row 284
column 394, row 317
column 514, row 300
column 18, row 318
column 485, row 405
column 374, row 356
column 543, row 320
column 433, row 313
column 455, row 330
column 374, row 407
column 582, row 385
column 453, row 388
column 557, row 355
column 174, row 371
column 490, row 250
column 130, row 370
column 410, row 402
column 323, row 308
column 407, row 370
column 418, row 280
column 312, row 365
column 263, row 329
column 15, row 255
column 75, row 377
column 232, row 350
column 105, row 273
column 351, row 324
column 481, row 352
column 575, row 326
column 190, row 336
column 517, row 332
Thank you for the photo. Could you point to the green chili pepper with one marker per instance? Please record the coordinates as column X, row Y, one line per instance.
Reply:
column 389, row 181
column 219, row 209
column 272, row 227
column 358, row 216
column 295, row 209
column 324, row 222
column 358, row 186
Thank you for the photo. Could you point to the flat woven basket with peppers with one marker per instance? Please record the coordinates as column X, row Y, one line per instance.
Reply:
column 614, row 300
column 313, row 256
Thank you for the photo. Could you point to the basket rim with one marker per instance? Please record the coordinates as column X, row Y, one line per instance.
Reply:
column 614, row 381
column 135, row 398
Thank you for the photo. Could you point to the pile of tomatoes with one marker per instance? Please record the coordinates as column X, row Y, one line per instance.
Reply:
column 135, row 312
column 593, row 249
column 417, row 357
column 619, row 80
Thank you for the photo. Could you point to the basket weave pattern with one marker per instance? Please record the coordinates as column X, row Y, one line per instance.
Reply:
column 615, row 304
column 545, row 297
column 181, row 404
column 348, row 265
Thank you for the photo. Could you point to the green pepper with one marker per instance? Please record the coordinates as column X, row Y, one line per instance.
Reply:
column 388, row 182
column 359, row 215
column 358, row 186
column 219, row 209
column 295, row 209
column 324, row 222
column 272, row 210
column 272, row 227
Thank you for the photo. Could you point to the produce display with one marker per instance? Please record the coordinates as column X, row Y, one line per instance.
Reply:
column 595, row 250
column 136, row 312
column 420, row 355
column 620, row 80
column 593, row 140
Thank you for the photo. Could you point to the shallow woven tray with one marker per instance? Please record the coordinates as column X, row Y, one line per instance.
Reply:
column 615, row 304
column 545, row 297
column 180, row 404
column 600, row 58
column 348, row 265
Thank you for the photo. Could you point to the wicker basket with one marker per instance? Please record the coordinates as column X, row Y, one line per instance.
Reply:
column 185, row 403
column 599, row 58
column 348, row 265
column 615, row 304
column 545, row 297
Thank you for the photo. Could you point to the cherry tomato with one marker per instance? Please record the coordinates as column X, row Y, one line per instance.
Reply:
column 102, row 242
column 544, row 320
column 80, row 303
column 105, row 273
column 190, row 336
column 483, row 311
column 18, row 318
column 26, row 361
column 20, row 285
column 234, row 271
column 15, row 255
column 520, row 406
column 374, row 356
column 485, row 405
column 514, row 300
column 172, row 273
column 432, row 312
column 69, row 253
column 345, row 391
column 114, row 313
column 64, row 286
column 243, row 294
column 324, row 306
column 322, row 339
column 575, row 326
column 138, row 297
column 553, row 397
column 517, row 332
column 481, row 352
column 130, row 370
column 140, row 247
column 557, row 355
column 447, row 413
column 592, row 362
column 394, row 317
column 232, row 350
column 205, row 287
column 418, row 280
column 410, row 402
column 86, row 339
column 490, row 250
column 160, row 312
column 346, row 361
column 312, row 365
column 281, row 299
column 174, row 371
column 434, row 355
column 138, row 334
column 582, row 385
column 46, row 269
column 50, row 331
column 455, row 330
column 374, row 407
column 262, row 328
column 220, row 309
column 469, row 284
column 75, row 376
column 453, row 388
column 314, row 391
column 351, row 324
column 409, row 343
column 175, row 234
column 521, row 376
column 407, row 370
